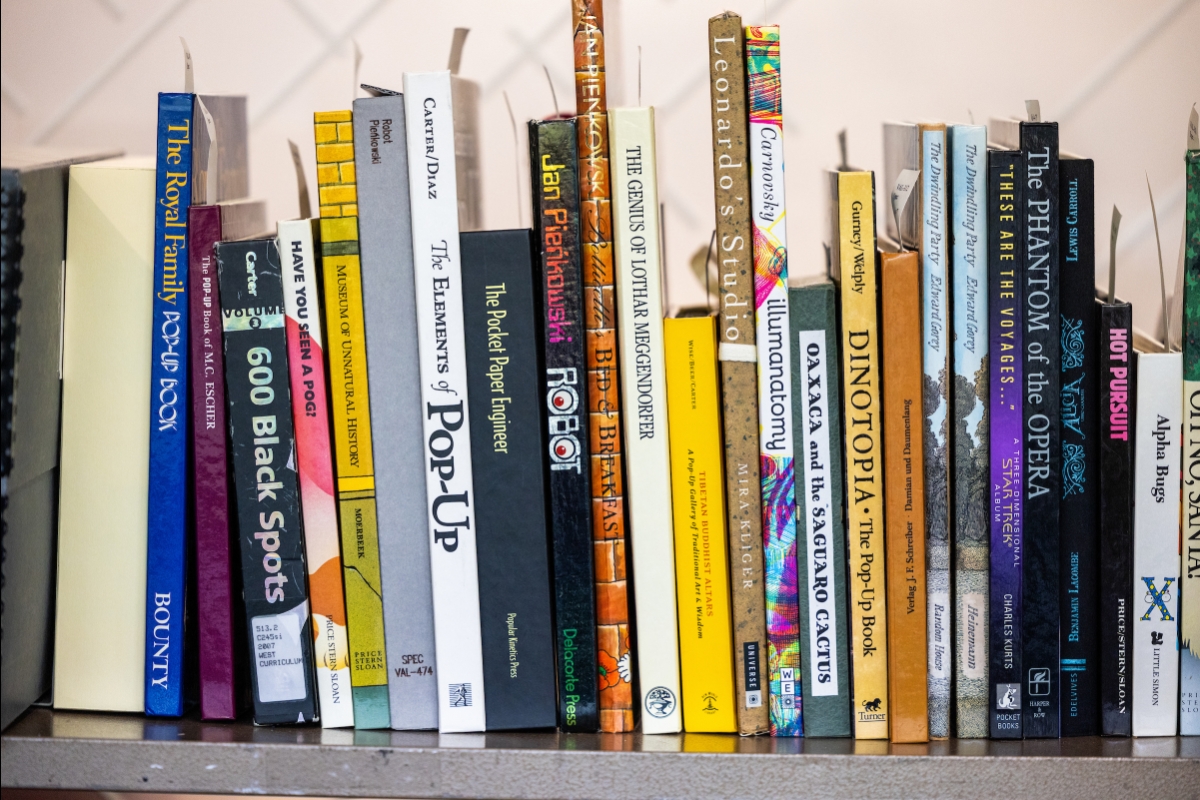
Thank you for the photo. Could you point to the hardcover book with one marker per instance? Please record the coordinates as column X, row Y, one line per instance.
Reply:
column 820, row 504
column 617, row 713
column 1118, row 390
column 643, row 382
column 969, row 427
column 705, row 636
column 739, row 372
column 390, row 322
column 769, row 218
column 852, row 267
column 904, row 479
column 105, row 456
column 349, row 394
column 552, row 149
column 1006, row 315
column 507, row 447
column 1156, row 544
column 446, row 417
column 166, row 545
column 1189, row 600
column 304, row 323
column 265, row 484
column 1079, row 428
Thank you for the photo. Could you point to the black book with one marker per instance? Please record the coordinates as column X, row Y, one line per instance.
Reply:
column 266, row 487
column 1043, row 451
column 553, row 158
column 1079, row 427
column 1118, row 388
column 508, row 441
column 1006, row 315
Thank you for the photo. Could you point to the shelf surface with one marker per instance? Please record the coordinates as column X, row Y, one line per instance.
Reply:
column 111, row 752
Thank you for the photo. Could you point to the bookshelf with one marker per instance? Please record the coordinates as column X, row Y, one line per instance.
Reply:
column 109, row 752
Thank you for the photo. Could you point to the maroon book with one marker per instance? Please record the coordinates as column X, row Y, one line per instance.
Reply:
column 210, row 474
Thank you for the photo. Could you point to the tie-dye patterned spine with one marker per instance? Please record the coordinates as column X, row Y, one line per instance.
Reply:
column 774, row 378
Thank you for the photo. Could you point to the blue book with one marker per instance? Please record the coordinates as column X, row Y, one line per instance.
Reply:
column 166, row 551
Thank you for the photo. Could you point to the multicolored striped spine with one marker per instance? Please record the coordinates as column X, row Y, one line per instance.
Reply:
column 774, row 378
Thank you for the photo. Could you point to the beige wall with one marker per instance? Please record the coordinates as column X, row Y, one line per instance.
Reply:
column 1119, row 76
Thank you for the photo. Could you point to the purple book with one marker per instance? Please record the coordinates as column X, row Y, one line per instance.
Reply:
column 1006, row 320
column 210, row 473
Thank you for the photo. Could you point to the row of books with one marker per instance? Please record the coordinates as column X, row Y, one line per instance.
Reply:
column 411, row 439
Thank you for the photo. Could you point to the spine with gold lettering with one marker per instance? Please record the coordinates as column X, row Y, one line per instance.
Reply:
column 739, row 369
column 603, row 398
column 351, row 414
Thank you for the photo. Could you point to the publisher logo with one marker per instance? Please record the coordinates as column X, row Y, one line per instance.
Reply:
column 1039, row 681
column 710, row 700
column 660, row 702
column 1008, row 697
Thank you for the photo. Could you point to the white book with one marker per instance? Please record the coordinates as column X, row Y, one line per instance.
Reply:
column 1156, row 544
column 104, row 478
column 643, row 384
column 437, row 272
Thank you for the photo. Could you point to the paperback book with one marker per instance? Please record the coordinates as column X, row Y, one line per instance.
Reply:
column 1189, row 600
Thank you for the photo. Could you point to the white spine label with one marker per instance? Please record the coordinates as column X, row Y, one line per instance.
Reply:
column 279, row 656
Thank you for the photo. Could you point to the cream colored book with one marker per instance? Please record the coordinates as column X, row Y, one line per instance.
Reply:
column 99, row 634
column 643, row 386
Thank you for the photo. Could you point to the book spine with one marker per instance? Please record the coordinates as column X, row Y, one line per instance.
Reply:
column 603, row 397
column 1039, row 580
column 640, row 322
column 266, row 486
column 774, row 379
column 1079, row 508
column 1189, row 620
column 449, row 482
column 935, row 394
column 1006, row 312
column 314, row 466
column 969, row 282
column 739, row 372
column 1117, row 426
column 1156, row 560
column 820, row 519
column 166, row 545
column 909, row 701
column 556, row 210
column 390, row 322
column 705, row 633
column 864, row 452
column 507, row 446
column 349, row 395
column 210, row 473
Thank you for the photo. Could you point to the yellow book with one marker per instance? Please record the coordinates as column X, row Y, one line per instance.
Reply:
column 854, row 269
column 697, row 491
column 353, row 460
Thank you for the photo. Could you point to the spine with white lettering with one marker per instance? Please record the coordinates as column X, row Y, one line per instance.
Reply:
column 1079, row 427
column 643, row 382
column 219, row 645
column 1156, row 544
column 820, row 517
column 314, row 466
column 938, row 414
column 266, row 486
column 1042, row 474
column 1189, row 621
column 969, row 431
column 552, row 155
column 1006, row 313
column 769, row 216
column 1117, row 392
column 166, row 545
column 507, row 449
column 449, row 487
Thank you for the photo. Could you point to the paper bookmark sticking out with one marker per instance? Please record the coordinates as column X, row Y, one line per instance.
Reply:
column 210, row 168
column 456, row 49
column 843, row 151
column 1162, row 274
column 553, row 94
column 906, row 181
column 301, row 182
column 1033, row 110
column 1194, row 129
column 189, row 82
column 1112, row 255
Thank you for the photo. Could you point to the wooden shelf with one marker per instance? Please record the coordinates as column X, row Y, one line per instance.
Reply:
column 111, row 752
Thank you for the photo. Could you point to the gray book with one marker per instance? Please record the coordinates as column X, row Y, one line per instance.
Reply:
column 390, row 311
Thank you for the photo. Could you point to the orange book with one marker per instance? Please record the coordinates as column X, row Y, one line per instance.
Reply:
column 904, row 497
